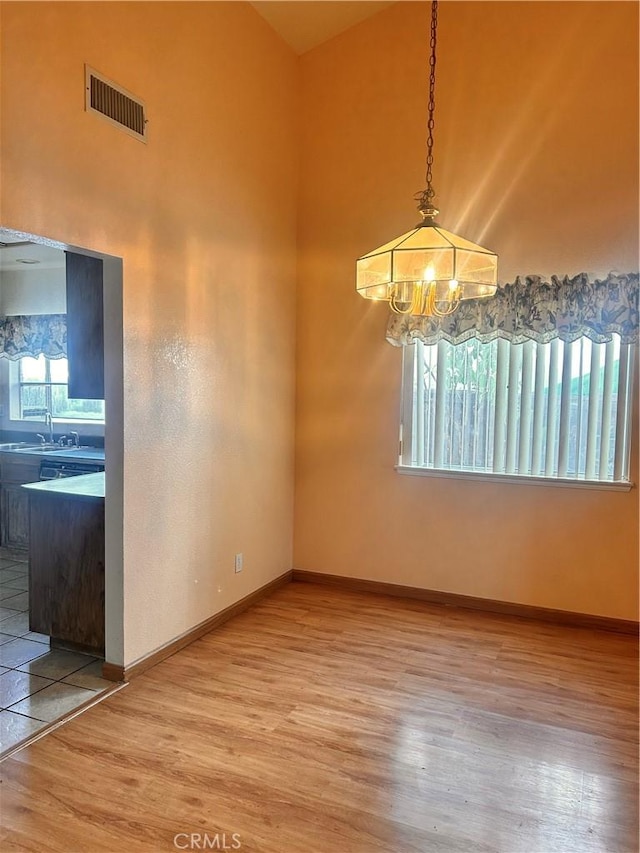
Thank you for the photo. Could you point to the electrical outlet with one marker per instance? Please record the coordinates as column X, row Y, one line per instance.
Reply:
column 238, row 563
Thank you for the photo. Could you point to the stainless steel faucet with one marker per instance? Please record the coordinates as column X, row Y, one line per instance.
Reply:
column 76, row 438
column 48, row 422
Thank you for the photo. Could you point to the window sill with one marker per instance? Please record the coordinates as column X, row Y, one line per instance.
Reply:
column 515, row 479
column 92, row 428
column 56, row 421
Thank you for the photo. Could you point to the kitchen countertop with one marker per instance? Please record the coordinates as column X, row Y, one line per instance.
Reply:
column 85, row 454
column 83, row 487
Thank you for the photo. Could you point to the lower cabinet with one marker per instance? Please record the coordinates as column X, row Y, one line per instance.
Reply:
column 15, row 517
column 66, row 570
column 14, row 502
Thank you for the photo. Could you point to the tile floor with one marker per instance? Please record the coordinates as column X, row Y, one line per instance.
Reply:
column 38, row 685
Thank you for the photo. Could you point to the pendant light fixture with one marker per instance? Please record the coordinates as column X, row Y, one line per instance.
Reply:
column 429, row 270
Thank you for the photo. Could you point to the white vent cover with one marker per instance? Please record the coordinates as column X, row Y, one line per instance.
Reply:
column 115, row 104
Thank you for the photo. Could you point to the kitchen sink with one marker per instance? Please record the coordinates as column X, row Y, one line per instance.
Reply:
column 42, row 448
column 17, row 445
column 53, row 448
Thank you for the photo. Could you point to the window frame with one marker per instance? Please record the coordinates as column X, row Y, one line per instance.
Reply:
column 15, row 402
column 47, row 383
column 407, row 465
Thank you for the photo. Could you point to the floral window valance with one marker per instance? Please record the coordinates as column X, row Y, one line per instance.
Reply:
column 32, row 335
column 534, row 309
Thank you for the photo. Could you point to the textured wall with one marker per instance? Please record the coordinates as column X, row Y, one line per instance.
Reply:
column 536, row 157
column 204, row 219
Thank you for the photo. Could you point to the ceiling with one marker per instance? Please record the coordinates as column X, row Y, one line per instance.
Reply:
column 303, row 24
column 13, row 255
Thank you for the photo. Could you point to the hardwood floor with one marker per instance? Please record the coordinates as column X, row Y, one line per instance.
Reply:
column 327, row 720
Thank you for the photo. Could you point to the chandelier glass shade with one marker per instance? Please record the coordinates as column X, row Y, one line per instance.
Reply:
column 427, row 271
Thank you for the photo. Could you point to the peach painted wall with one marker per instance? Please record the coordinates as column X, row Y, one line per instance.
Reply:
column 204, row 217
column 536, row 157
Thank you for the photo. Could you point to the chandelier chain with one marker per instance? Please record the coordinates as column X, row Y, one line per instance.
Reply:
column 432, row 103
column 425, row 198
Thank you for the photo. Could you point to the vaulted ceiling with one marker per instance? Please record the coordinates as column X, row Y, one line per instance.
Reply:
column 303, row 24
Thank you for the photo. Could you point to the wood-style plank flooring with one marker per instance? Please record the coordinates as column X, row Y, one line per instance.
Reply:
column 325, row 720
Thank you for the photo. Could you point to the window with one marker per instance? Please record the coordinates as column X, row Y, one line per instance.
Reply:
column 41, row 385
column 553, row 410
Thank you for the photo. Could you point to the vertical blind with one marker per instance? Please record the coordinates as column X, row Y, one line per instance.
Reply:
column 556, row 409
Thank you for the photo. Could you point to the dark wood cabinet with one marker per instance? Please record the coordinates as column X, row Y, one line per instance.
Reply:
column 14, row 502
column 66, row 570
column 15, row 518
column 85, row 327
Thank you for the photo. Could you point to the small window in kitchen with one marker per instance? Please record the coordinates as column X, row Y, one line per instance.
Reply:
column 40, row 384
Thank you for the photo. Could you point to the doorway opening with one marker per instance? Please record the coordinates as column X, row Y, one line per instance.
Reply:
column 46, row 425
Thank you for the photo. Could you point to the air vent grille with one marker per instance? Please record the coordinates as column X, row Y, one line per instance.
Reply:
column 115, row 104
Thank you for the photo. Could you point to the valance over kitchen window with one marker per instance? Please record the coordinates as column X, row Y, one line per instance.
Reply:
column 33, row 335
column 534, row 309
